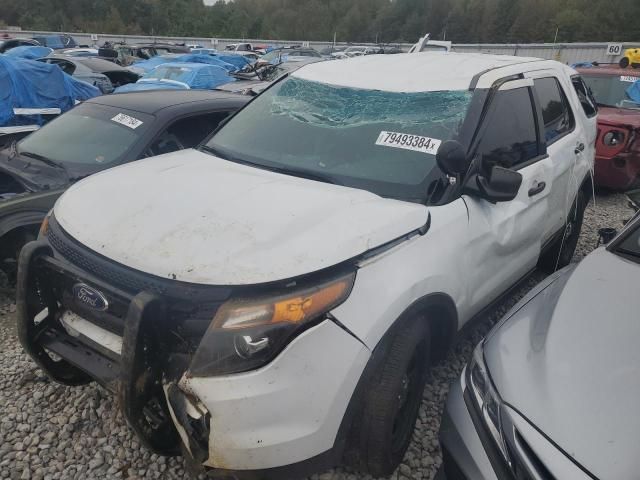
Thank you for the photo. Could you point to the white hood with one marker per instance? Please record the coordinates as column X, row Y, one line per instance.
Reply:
column 197, row 218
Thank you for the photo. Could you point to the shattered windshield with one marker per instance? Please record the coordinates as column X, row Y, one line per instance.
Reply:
column 613, row 90
column 384, row 142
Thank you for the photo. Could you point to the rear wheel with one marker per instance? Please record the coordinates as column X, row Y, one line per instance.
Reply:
column 392, row 398
column 561, row 253
column 624, row 62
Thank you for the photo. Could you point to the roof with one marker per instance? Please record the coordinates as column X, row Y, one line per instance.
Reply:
column 613, row 70
column 419, row 72
column 94, row 64
column 152, row 102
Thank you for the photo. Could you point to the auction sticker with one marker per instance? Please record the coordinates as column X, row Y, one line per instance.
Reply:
column 127, row 121
column 406, row 141
column 629, row 78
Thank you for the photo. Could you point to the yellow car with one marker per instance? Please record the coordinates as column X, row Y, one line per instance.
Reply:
column 631, row 57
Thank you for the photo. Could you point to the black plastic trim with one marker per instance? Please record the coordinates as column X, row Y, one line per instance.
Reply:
column 397, row 241
column 499, row 465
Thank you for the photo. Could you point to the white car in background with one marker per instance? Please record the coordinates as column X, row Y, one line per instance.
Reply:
column 272, row 301
column 357, row 51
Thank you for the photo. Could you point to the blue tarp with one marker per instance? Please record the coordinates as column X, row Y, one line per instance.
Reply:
column 208, row 60
column 180, row 75
column 218, row 60
column 145, row 66
column 633, row 92
column 239, row 61
column 30, row 52
column 32, row 84
column 582, row 65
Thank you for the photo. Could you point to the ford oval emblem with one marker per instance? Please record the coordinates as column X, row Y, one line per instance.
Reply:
column 90, row 297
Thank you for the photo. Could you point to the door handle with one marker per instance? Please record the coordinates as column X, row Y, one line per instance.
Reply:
column 536, row 189
column 579, row 148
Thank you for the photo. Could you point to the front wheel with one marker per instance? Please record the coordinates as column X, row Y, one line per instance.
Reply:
column 392, row 398
column 561, row 253
column 624, row 62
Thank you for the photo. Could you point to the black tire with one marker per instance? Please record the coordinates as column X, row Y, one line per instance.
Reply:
column 392, row 398
column 624, row 62
column 560, row 254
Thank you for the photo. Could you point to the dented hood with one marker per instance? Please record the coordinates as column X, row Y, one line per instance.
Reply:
column 197, row 218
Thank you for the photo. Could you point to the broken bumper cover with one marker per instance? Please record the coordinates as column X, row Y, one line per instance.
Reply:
column 281, row 416
column 285, row 413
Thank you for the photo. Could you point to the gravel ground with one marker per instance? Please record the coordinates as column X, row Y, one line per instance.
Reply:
column 48, row 431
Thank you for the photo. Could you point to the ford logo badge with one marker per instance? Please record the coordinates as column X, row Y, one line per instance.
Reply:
column 90, row 297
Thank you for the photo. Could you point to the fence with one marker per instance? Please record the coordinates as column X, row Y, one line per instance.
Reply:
column 563, row 52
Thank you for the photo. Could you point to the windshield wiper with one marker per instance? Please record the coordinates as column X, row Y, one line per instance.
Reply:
column 319, row 177
column 216, row 152
column 283, row 170
column 48, row 161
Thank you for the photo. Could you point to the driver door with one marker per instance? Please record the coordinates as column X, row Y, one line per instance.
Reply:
column 506, row 237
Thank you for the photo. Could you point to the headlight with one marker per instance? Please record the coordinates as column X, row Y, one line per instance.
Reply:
column 486, row 398
column 247, row 333
column 613, row 138
column 44, row 226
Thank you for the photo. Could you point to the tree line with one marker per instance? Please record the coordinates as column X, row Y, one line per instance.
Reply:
column 381, row 21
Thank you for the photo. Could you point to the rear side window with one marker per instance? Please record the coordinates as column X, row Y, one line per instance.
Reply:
column 585, row 96
column 556, row 113
column 510, row 138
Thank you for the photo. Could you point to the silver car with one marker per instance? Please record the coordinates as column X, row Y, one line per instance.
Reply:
column 553, row 391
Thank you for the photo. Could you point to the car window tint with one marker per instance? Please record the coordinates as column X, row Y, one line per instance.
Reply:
column 631, row 245
column 585, row 96
column 67, row 67
column 510, row 138
column 186, row 133
column 556, row 113
column 89, row 135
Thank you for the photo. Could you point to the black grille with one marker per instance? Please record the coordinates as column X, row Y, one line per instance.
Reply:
column 190, row 307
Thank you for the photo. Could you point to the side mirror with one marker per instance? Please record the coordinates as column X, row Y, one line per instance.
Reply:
column 452, row 158
column 501, row 186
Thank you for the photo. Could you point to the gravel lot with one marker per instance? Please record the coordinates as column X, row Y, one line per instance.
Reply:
column 48, row 431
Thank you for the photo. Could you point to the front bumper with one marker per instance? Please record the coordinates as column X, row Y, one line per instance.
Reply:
column 282, row 420
column 464, row 456
column 619, row 173
column 470, row 453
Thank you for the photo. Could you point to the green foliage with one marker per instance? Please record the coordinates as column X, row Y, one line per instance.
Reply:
column 388, row 21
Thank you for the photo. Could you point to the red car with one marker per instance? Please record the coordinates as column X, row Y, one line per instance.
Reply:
column 617, row 163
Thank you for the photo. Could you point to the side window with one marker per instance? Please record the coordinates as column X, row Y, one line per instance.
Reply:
column 67, row 67
column 186, row 133
column 556, row 112
column 585, row 96
column 510, row 138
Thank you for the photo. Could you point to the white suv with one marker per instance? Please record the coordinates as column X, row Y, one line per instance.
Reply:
column 271, row 302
